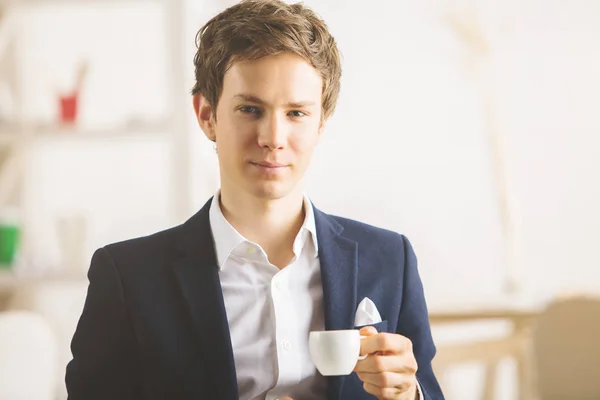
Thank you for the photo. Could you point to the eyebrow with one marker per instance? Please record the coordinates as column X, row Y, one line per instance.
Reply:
column 254, row 99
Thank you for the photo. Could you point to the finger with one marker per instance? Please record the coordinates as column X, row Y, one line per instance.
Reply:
column 389, row 343
column 365, row 332
column 382, row 393
column 402, row 382
column 384, row 379
column 368, row 331
column 405, row 364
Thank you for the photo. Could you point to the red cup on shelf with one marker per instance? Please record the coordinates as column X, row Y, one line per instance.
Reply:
column 68, row 108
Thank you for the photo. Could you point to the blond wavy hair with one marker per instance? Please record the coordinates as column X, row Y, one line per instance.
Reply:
column 253, row 29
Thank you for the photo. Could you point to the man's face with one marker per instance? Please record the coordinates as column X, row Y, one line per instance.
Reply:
column 268, row 122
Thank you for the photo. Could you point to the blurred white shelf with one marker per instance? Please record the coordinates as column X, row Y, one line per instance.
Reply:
column 10, row 136
column 9, row 279
column 117, row 132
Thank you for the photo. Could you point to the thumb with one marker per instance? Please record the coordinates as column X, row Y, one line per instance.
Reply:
column 368, row 331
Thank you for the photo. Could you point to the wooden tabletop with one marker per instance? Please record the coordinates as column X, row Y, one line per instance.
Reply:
column 497, row 308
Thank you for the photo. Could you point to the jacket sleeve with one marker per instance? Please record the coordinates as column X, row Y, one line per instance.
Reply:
column 103, row 346
column 413, row 323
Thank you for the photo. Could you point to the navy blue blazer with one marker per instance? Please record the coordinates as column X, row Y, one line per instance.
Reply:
column 154, row 324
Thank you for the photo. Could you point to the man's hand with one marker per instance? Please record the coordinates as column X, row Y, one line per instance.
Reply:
column 389, row 372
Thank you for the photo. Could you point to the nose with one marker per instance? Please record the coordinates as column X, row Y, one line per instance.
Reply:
column 273, row 133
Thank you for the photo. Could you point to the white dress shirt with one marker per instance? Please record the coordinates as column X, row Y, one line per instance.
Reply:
column 271, row 311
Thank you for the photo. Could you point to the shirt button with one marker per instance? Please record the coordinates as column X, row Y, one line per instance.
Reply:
column 287, row 345
column 250, row 250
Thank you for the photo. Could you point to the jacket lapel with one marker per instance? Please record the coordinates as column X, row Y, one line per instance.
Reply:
column 338, row 257
column 198, row 277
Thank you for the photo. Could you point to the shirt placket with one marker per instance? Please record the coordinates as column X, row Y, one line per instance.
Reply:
column 286, row 337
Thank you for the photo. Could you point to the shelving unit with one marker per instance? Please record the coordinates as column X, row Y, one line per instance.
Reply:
column 18, row 137
column 12, row 136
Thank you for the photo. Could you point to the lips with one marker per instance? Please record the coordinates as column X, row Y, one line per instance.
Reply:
column 271, row 169
column 267, row 164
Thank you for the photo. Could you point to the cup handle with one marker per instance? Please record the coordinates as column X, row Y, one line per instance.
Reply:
column 360, row 358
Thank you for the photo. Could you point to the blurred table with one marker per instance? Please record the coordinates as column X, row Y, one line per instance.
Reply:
column 521, row 316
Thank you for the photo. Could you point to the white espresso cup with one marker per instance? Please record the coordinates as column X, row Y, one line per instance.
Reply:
column 335, row 352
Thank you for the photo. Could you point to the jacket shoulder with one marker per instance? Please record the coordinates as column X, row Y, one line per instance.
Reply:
column 360, row 230
column 144, row 250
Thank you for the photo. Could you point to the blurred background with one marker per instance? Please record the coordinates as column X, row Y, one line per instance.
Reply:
column 470, row 126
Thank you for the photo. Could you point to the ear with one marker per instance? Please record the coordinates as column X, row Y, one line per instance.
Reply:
column 205, row 115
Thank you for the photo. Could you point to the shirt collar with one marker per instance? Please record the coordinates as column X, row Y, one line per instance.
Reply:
column 309, row 223
column 227, row 238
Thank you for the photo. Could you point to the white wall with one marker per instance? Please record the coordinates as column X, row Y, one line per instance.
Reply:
column 551, row 97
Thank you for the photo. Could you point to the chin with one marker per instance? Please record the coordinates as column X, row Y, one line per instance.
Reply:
column 271, row 190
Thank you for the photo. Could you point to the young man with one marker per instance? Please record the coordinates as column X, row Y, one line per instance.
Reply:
column 221, row 307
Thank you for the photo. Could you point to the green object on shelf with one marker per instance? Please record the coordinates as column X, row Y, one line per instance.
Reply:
column 9, row 243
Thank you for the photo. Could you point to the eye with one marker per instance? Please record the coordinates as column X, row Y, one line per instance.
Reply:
column 249, row 110
column 296, row 113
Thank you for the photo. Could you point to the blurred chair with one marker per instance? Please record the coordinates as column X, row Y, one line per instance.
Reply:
column 566, row 350
column 60, row 302
column 28, row 368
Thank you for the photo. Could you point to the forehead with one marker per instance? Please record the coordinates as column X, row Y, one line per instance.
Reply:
column 284, row 76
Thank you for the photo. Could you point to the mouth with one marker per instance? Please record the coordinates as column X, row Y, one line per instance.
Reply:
column 268, row 166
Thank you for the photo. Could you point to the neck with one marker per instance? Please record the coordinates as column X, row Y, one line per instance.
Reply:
column 272, row 223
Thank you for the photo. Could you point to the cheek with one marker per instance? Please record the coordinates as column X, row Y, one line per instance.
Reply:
column 304, row 143
column 310, row 136
column 234, row 136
